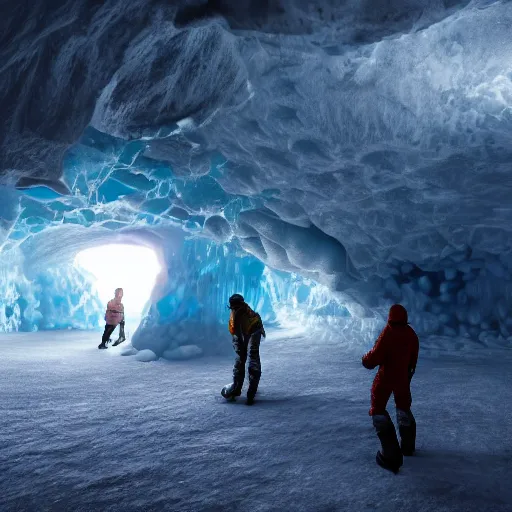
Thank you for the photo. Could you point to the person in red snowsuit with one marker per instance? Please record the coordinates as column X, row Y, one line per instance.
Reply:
column 396, row 354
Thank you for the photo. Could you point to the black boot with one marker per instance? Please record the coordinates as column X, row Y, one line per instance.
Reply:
column 390, row 456
column 250, row 398
column 122, row 337
column 119, row 340
column 254, row 380
column 231, row 391
column 102, row 345
column 407, row 429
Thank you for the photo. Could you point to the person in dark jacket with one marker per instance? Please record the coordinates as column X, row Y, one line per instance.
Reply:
column 246, row 328
column 396, row 354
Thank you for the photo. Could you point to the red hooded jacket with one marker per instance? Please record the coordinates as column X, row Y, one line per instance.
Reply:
column 396, row 354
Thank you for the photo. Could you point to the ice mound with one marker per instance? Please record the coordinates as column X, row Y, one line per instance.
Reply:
column 362, row 148
column 146, row 356
column 182, row 353
column 128, row 351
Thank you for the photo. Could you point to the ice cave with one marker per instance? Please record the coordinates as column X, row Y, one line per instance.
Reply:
column 326, row 159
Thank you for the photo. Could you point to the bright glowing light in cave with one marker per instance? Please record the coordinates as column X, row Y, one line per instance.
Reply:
column 130, row 267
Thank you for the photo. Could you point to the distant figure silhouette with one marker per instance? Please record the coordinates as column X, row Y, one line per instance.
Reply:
column 114, row 316
column 396, row 354
column 246, row 328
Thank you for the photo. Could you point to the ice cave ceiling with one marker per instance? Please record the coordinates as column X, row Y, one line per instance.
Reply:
column 363, row 144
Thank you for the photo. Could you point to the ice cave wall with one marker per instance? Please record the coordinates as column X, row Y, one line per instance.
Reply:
column 41, row 289
column 363, row 146
column 191, row 307
column 468, row 297
column 58, row 297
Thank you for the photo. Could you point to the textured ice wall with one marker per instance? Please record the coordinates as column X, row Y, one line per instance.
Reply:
column 469, row 298
column 54, row 298
column 17, row 302
column 191, row 307
column 362, row 145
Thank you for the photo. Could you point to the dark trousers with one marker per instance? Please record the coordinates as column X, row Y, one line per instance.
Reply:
column 248, row 346
column 109, row 329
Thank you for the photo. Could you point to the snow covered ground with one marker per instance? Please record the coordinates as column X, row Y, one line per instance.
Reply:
column 84, row 429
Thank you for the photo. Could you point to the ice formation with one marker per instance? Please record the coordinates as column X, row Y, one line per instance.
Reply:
column 324, row 158
column 58, row 297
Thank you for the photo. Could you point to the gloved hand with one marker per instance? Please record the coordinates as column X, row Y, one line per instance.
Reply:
column 411, row 373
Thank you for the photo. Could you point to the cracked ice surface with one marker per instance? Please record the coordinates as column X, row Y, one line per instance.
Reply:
column 362, row 147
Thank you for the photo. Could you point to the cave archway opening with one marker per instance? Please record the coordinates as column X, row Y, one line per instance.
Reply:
column 132, row 267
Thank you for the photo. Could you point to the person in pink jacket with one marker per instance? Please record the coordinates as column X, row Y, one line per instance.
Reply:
column 114, row 316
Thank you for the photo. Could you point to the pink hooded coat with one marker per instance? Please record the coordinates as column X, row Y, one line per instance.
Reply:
column 115, row 312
